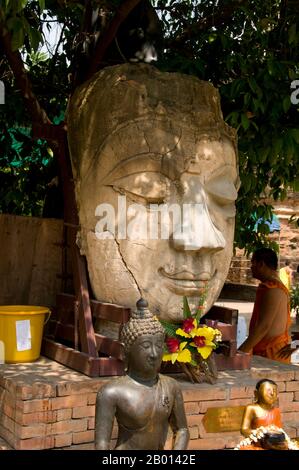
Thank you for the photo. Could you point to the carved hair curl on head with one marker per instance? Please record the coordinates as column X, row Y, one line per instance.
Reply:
column 142, row 322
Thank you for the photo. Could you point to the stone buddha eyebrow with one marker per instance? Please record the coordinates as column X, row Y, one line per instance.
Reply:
column 138, row 161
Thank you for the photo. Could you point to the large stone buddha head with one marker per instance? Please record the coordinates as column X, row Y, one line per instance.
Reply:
column 156, row 178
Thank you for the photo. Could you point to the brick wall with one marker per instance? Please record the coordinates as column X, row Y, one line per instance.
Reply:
column 36, row 414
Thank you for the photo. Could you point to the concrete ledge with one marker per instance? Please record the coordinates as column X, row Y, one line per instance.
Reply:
column 238, row 292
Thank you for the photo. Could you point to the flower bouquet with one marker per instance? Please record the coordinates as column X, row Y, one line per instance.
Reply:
column 268, row 438
column 191, row 344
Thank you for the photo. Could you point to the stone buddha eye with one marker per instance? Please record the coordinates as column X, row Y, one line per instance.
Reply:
column 223, row 193
column 150, row 186
column 145, row 344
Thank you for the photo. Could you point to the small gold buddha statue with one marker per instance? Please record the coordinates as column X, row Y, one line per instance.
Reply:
column 261, row 424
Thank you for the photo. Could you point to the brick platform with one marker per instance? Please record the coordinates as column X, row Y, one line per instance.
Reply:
column 44, row 405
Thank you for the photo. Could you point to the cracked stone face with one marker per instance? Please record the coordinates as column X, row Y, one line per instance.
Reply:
column 156, row 180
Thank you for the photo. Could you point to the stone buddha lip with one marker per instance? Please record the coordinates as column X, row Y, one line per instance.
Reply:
column 185, row 276
column 185, row 282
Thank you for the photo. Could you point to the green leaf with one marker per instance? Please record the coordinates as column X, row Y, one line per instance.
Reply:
column 295, row 134
column 14, row 24
column 286, row 104
column 41, row 4
column 186, row 308
column 169, row 328
column 278, row 143
column 19, row 5
column 264, row 154
column 35, row 38
column 245, row 122
column 17, row 39
column 292, row 33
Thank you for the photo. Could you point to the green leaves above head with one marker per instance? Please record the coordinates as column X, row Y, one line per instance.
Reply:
column 186, row 308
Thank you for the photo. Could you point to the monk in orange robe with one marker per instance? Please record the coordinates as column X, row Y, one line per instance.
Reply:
column 269, row 325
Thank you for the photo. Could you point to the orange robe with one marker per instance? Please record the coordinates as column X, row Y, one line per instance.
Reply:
column 269, row 347
column 272, row 417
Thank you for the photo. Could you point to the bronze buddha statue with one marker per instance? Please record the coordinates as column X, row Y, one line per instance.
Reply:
column 143, row 402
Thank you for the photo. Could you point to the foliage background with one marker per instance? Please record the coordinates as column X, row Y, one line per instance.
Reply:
column 246, row 48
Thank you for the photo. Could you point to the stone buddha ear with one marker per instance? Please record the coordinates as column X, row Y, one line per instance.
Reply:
column 256, row 396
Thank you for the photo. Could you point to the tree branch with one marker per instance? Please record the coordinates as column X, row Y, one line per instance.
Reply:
column 125, row 8
column 214, row 20
column 21, row 76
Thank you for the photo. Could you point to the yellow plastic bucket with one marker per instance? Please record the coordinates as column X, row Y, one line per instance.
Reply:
column 21, row 331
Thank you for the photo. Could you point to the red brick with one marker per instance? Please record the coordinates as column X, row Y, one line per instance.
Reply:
column 9, row 423
column 89, row 446
column 296, row 396
column 240, row 402
column 206, row 444
column 24, row 432
column 37, row 390
column 290, row 416
column 285, row 397
column 33, row 418
column 281, row 386
column 282, row 373
column 224, row 442
column 73, row 425
column 205, row 393
column 82, row 437
column 10, row 411
column 194, row 432
column 83, row 411
column 35, row 430
column 63, row 440
column 29, row 418
column 242, row 392
column 191, row 408
column 36, row 443
column 91, row 398
column 32, row 406
column 64, row 414
column 194, row 420
column 293, row 386
column 289, row 406
column 23, row 392
column 90, row 423
column 68, row 402
column 73, row 388
column 9, row 385
column 9, row 436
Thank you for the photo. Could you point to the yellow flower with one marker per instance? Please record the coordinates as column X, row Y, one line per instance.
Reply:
column 182, row 355
column 203, row 341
